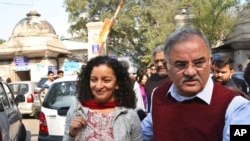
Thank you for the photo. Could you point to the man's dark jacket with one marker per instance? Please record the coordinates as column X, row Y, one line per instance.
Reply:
column 154, row 81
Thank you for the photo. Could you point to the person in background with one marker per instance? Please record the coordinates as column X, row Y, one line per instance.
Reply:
column 139, row 72
column 75, row 73
column 223, row 71
column 240, row 67
column 192, row 107
column 136, row 88
column 48, row 83
column 60, row 73
column 158, row 78
column 142, row 79
column 8, row 80
column 152, row 69
column 148, row 71
column 246, row 74
column 105, row 107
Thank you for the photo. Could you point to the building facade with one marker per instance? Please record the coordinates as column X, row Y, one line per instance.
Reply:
column 237, row 43
column 34, row 48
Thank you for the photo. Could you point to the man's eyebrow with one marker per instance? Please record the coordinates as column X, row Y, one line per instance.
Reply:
column 199, row 59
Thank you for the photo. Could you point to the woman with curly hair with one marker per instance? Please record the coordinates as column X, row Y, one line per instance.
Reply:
column 105, row 107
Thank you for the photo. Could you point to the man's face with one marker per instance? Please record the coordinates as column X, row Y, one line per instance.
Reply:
column 148, row 70
column 51, row 76
column 159, row 62
column 153, row 70
column 189, row 66
column 222, row 75
column 59, row 75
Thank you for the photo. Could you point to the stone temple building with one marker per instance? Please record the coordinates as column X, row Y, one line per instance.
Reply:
column 237, row 43
column 33, row 49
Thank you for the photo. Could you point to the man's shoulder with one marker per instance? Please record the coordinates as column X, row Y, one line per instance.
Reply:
column 152, row 81
column 156, row 80
column 154, row 77
column 164, row 87
column 223, row 90
column 237, row 80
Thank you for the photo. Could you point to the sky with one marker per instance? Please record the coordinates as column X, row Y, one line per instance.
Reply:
column 12, row 11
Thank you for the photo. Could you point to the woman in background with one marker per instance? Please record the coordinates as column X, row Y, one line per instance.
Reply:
column 142, row 79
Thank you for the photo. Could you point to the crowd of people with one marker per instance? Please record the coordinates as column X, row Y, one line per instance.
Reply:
column 185, row 95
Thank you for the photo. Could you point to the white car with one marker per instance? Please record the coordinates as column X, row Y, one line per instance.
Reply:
column 24, row 95
column 37, row 89
column 54, row 108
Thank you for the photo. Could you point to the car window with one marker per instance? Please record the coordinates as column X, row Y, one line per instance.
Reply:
column 4, row 97
column 61, row 94
column 41, row 82
column 9, row 93
column 19, row 88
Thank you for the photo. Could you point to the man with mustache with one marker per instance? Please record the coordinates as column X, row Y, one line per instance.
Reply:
column 192, row 107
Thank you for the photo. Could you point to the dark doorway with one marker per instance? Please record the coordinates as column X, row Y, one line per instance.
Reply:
column 22, row 76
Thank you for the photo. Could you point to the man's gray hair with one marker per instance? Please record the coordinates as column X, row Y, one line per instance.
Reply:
column 157, row 49
column 183, row 34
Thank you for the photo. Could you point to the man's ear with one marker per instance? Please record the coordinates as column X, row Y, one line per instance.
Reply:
column 211, row 59
column 232, row 71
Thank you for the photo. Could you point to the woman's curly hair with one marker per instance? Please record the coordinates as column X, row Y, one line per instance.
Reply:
column 124, row 95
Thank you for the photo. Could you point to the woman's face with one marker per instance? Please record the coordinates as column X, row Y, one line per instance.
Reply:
column 144, row 80
column 103, row 83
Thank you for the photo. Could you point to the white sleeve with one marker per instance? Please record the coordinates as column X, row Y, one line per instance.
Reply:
column 151, row 105
column 139, row 102
column 238, row 113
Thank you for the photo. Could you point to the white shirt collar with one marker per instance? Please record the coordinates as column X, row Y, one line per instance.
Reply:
column 205, row 94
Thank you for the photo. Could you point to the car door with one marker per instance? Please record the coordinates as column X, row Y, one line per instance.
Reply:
column 11, row 111
column 58, row 100
column 4, row 122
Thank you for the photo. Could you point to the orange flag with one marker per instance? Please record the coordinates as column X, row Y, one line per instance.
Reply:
column 107, row 26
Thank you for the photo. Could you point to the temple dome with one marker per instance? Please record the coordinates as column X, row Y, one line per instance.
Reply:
column 32, row 37
column 33, row 25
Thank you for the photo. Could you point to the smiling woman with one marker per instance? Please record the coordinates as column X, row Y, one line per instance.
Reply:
column 106, row 104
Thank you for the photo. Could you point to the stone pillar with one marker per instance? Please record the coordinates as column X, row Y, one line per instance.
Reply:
column 184, row 19
column 94, row 29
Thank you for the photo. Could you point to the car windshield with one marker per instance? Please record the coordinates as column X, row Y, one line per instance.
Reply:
column 60, row 95
column 19, row 88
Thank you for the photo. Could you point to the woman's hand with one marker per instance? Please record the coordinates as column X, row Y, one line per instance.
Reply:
column 76, row 124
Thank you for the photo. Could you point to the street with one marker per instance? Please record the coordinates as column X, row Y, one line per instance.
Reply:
column 32, row 127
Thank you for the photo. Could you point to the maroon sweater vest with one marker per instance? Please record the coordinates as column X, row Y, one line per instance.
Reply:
column 190, row 120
